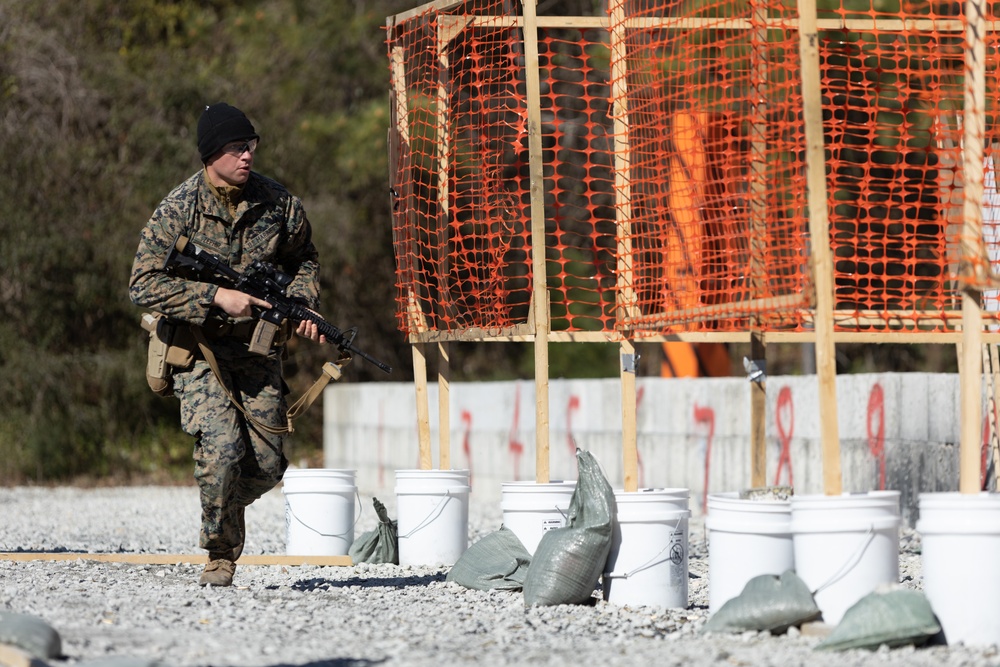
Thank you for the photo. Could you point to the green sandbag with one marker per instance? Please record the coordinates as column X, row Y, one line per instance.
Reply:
column 379, row 545
column 31, row 634
column 767, row 603
column 569, row 561
column 498, row 561
column 894, row 617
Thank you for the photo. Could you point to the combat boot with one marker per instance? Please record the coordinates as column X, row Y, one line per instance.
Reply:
column 218, row 572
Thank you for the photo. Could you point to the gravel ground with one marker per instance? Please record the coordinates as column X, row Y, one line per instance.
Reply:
column 349, row 616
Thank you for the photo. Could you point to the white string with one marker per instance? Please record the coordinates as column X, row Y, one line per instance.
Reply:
column 652, row 561
column 321, row 534
column 851, row 562
column 435, row 513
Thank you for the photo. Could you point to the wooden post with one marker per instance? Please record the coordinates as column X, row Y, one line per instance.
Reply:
column 758, row 252
column 627, row 309
column 423, row 413
column 630, row 452
column 970, row 359
column 970, row 393
column 444, row 405
column 539, row 294
column 758, row 415
column 826, row 366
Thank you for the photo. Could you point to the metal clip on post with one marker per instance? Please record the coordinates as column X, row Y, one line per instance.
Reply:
column 756, row 369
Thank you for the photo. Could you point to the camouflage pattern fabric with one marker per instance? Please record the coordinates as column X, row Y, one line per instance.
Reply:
column 271, row 226
column 234, row 463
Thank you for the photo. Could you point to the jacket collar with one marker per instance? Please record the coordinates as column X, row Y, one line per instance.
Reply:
column 255, row 192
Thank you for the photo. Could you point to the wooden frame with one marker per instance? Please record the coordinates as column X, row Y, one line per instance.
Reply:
column 963, row 327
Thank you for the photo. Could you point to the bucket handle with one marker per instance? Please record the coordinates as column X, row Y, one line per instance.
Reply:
column 434, row 513
column 354, row 525
column 851, row 562
column 651, row 562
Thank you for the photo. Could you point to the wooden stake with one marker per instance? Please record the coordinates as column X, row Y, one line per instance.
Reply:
column 630, row 452
column 758, row 254
column 758, row 416
column 970, row 395
column 627, row 302
column 540, row 297
column 423, row 411
column 970, row 357
column 444, row 406
column 826, row 366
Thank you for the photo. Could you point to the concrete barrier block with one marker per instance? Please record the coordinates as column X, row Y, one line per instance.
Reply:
column 896, row 430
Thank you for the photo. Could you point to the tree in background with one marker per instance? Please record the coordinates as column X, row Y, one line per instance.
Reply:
column 98, row 104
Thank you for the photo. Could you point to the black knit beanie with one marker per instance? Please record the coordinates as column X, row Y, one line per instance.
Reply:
column 220, row 124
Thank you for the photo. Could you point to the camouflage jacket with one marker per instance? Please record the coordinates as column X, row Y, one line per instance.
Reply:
column 271, row 226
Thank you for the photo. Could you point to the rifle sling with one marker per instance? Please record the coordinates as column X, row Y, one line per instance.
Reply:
column 332, row 370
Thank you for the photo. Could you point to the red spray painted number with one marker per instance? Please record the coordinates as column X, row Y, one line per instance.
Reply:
column 706, row 415
column 571, row 407
column 466, row 446
column 876, row 430
column 784, row 417
column 514, row 446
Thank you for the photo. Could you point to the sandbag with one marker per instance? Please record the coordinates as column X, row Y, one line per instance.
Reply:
column 379, row 545
column 891, row 616
column 498, row 561
column 31, row 634
column 767, row 603
column 569, row 561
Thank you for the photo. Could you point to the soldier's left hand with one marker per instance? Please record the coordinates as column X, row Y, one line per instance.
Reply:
column 307, row 329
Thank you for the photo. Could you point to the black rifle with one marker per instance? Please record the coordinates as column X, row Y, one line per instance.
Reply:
column 264, row 281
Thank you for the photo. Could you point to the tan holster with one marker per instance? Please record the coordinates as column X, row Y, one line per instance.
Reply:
column 171, row 346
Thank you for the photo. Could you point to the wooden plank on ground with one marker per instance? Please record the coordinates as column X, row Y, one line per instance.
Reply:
column 171, row 559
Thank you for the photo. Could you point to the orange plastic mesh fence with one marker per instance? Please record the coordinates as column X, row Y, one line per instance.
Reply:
column 714, row 147
column 458, row 166
column 673, row 163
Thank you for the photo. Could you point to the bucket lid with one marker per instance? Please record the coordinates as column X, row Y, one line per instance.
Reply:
column 731, row 502
column 420, row 474
column 319, row 472
column 674, row 492
column 984, row 500
column 884, row 502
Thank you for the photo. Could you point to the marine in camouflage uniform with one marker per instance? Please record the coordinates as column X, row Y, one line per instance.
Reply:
column 235, row 461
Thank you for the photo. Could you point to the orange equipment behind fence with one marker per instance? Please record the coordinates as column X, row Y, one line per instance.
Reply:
column 673, row 161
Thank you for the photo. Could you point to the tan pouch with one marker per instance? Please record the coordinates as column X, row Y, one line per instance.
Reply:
column 171, row 346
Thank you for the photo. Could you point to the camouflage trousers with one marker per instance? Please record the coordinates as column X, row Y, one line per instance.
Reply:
column 235, row 463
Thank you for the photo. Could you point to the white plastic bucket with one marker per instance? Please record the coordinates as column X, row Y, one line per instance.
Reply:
column 960, row 539
column 845, row 546
column 746, row 539
column 319, row 511
column 531, row 509
column 648, row 563
column 432, row 509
